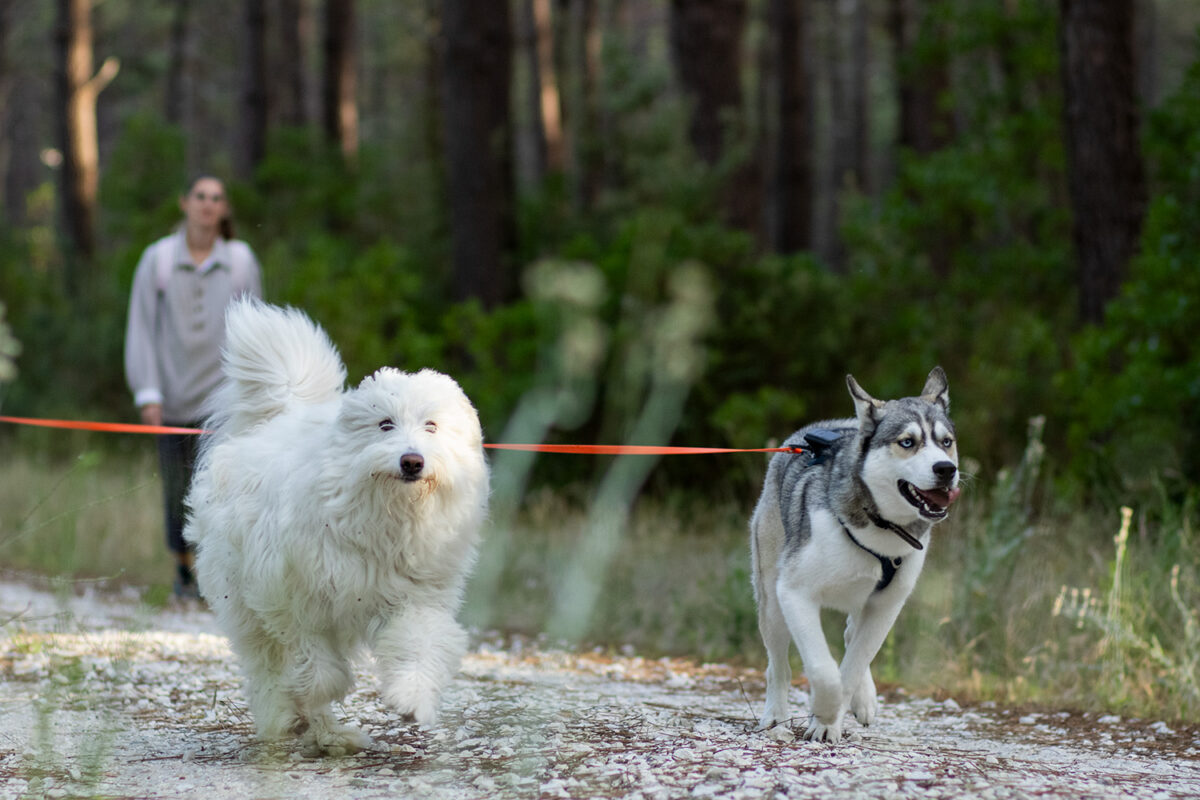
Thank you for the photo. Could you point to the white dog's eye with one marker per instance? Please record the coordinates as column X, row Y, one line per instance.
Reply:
column 430, row 426
column 907, row 442
column 387, row 425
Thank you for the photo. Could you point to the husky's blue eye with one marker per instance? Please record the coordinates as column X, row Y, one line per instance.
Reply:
column 947, row 442
column 387, row 425
column 907, row 442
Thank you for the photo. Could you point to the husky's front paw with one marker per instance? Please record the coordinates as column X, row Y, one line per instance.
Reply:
column 818, row 731
column 414, row 697
column 864, row 704
column 773, row 714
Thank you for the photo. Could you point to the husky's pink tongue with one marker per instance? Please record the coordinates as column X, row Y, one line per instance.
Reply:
column 943, row 498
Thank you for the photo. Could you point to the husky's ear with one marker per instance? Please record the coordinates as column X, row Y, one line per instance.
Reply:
column 865, row 406
column 937, row 389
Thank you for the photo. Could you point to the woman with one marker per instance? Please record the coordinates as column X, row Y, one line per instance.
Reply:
column 174, row 335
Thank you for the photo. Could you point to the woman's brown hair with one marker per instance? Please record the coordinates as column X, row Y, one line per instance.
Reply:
column 225, row 226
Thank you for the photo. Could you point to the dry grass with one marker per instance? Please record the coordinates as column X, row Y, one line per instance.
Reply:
column 95, row 515
column 1015, row 605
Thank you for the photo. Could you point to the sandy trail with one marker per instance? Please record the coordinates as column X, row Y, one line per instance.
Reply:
column 104, row 697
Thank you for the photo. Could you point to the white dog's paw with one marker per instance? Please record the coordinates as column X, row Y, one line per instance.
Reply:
column 828, row 731
column 414, row 697
column 767, row 722
column 334, row 740
column 864, row 704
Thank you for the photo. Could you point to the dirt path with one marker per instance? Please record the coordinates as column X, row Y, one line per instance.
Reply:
column 101, row 697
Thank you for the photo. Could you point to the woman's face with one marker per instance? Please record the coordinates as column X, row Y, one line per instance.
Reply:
column 205, row 205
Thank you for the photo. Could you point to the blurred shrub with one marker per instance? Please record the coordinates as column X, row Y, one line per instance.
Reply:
column 140, row 187
column 1134, row 390
column 966, row 261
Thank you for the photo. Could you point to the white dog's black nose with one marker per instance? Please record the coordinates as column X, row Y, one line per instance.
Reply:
column 411, row 465
column 945, row 471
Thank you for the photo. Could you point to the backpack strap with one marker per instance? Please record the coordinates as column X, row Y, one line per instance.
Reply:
column 241, row 264
column 163, row 264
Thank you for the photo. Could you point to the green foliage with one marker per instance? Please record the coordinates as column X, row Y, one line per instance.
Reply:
column 70, row 361
column 966, row 261
column 1135, row 386
column 144, row 178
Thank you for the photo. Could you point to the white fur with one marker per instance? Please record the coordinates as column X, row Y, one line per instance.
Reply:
column 311, row 544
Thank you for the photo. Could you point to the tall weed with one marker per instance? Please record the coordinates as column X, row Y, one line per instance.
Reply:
column 1048, row 612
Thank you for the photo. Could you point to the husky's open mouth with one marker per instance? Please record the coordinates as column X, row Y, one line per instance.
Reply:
column 930, row 503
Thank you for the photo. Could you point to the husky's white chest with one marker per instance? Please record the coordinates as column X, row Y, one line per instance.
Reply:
column 837, row 573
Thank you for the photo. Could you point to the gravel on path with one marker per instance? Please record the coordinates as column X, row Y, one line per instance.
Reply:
column 104, row 697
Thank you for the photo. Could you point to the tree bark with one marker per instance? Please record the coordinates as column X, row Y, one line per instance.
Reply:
column 706, row 48
column 340, row 82
column 790, row 220
column 582, row 118
column 849, row 64
column 921, row 81
column 545, row 103
column 476, row 71
column 706, row 37
column 252, row 121
column 293, row 94
column 1104, row 165
column 77, row 89
column 6, row 84
column 175, row 100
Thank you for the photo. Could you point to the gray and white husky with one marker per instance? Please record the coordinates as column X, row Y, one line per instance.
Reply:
column 844, row 525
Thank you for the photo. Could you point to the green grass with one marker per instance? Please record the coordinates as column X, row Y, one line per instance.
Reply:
column 1017, row 604
column 94, row 515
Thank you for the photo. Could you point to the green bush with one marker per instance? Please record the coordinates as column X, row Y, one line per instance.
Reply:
column 1135, row 386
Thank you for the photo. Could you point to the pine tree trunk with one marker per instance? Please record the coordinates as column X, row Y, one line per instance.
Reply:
column 1104, row 164
column 6, row 85
column 77, row 90
column 252, row 124
column 582, row 124
column 848, row 88
column 292, row 94
column 790, row 220
column 706, row 37
column 545, row 104
column 175, row 100
column 924, row 126
column 340, row 82
column 476, row 71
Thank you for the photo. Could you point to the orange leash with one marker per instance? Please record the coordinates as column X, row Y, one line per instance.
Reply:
column 578, row 449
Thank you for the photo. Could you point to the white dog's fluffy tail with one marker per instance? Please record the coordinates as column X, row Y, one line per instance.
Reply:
column 273, row 358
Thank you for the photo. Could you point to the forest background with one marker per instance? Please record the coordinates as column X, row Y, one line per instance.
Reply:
column 649, row 222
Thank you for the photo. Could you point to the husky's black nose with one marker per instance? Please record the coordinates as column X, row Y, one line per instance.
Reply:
column 411, row 465
column 945, row 471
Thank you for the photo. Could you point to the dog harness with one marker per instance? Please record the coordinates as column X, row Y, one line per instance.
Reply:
column 820, row 443
column 889, row 564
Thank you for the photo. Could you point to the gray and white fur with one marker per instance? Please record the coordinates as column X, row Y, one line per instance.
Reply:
column 848, row 529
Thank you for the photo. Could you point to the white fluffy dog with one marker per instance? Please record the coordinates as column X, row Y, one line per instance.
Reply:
column 326, row 520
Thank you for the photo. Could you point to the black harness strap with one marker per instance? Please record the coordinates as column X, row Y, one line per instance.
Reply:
column 888, row 525
column 889, row 565
column 820, row 444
